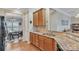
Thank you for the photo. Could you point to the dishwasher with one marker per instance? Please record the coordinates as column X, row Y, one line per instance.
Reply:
column 59, row 48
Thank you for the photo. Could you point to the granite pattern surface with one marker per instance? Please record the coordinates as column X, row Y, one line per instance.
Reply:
column 66, row 41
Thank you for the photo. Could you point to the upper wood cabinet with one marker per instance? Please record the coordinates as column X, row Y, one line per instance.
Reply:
column 39, row 17
column 35, row 19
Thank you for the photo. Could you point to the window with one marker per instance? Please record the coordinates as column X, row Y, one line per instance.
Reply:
column 13, row 25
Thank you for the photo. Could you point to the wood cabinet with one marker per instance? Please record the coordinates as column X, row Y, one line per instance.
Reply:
column 39, row 17
column 35, row 19
column 34, row 39
column 31, row 37
column 46, row 43
column 42, row 42
column 50, row 44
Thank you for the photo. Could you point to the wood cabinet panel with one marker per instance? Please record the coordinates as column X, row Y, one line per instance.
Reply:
column 35, row 19
column 31, row 37
column 41, row 42
column 50, row 44
column 34, row 39
column 39, row 18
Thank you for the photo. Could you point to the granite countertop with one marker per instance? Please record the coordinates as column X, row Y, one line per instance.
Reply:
column 65, row 41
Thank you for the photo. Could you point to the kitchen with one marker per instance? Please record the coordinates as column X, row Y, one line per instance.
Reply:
column 41, row 29
column 56, row 29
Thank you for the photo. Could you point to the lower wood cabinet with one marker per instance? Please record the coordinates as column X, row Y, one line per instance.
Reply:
column 49, row 44
column 31, row 37
column 34, row 39
column 42, row 42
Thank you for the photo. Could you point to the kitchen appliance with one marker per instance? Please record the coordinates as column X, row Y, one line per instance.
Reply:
column 75, row 27
column 59, row 48
column 2, row 33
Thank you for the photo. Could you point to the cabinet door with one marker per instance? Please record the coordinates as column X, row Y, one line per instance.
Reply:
column 41, row 42
column 36, row 39
column 50, row 44
column 54, row 44
column 41, row 17
column 36, row 23
column 31, row 37
column 35, row 19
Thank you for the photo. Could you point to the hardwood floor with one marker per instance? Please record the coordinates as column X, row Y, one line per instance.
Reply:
column 22, row 46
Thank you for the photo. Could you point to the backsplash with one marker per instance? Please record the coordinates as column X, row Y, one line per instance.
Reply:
column 40, row 29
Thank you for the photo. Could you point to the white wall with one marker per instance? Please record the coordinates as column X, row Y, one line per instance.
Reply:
column 55, row 21
column 47, row 18
column 27, row 27
column 75, row 20
column 62, row 27
column 54, row 17
column 30, row 15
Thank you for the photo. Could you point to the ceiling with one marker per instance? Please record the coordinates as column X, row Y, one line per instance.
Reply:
column 71, row 11
column 14, row 10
